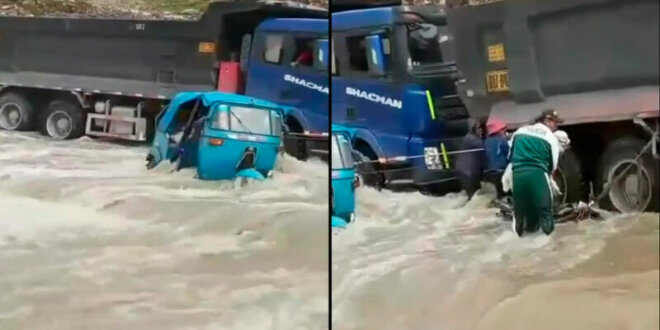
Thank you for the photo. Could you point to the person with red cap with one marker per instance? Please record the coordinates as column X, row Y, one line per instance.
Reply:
column 497, row 153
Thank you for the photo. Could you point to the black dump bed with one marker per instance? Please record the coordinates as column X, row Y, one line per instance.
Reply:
column 343, row 5
column 592, row 60
column 136, row 57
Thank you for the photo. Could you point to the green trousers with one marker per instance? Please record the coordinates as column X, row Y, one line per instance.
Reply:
column 532, row 201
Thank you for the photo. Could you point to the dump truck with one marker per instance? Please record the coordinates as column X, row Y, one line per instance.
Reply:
column 595, row 62
column 412, row 79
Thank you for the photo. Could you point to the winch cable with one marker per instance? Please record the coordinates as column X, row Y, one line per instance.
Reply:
column 303, row 136
column 404, row 158
column 412, row 167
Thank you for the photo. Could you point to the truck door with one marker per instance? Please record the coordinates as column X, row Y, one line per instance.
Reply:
column 282, row 70
column 364, row 94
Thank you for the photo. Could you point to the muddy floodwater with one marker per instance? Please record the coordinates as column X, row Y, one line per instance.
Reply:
column 415, row 262
column 89, row 239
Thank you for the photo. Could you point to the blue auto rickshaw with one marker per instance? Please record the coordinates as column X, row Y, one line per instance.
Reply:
column 224, row 136
column 344, row 179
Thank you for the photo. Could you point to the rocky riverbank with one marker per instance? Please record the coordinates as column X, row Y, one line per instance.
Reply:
column 133, row 9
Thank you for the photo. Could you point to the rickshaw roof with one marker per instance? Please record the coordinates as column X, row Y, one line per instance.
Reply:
column 209, row 99
column 340, row 129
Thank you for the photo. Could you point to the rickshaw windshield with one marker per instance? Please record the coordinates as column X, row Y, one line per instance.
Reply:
column 341, row 153
column 249, row 120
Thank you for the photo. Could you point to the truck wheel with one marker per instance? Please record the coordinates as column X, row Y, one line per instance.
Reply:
column 16, row 112
column 568, row 178
column 367, row 171
column 295, row 145
column 637, row 190
column 63, row 120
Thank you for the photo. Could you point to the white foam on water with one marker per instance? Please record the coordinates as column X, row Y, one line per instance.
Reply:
column 397, row 233
column 155, row 249
column 26, row 219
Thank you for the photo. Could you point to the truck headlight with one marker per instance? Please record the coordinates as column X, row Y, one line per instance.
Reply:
column 432, row 158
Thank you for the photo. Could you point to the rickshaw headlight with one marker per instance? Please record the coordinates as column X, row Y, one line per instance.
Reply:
column 216, row 142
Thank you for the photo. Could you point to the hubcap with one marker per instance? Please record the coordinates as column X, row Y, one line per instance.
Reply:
column 10, row 116
column 59, row 125
column 632, row 192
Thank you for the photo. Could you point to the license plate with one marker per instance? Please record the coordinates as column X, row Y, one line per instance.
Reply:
column 497, row 81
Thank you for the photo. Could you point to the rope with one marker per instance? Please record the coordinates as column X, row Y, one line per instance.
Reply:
column 404, row 158
column 303, row 136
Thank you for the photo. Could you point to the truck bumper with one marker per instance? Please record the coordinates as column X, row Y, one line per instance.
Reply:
column 431, row 163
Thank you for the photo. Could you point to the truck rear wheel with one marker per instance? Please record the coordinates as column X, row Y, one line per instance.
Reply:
column 568, row 178
column 16, row 112
column 63, row 120
column 636, row 190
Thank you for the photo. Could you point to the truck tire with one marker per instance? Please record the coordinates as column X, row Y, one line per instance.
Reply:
column 63, row 120
column 617, row 157
column 16, row 112
column 367, row 171
column 568, row 178
column 295, row 145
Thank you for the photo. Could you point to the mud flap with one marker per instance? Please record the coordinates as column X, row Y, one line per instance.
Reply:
column 250, row 173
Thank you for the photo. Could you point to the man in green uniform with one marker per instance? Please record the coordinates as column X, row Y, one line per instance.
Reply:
column 534, row 157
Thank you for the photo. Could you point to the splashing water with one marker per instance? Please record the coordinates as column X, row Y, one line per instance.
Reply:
column 417, row 262
column 89, row 239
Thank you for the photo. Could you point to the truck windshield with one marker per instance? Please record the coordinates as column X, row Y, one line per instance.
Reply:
column 249, row 120
column 341, row 153
column 427, row 42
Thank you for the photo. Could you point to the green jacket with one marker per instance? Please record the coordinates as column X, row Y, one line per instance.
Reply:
column 535, row 146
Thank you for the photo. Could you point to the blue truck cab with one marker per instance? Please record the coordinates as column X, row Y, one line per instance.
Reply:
column 393, row 81
column 288, row 65
column 344, row 179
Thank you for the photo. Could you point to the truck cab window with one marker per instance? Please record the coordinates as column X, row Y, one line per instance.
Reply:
column 357, row 55
column 273, row 48
column 304, row 54
column 425, row 43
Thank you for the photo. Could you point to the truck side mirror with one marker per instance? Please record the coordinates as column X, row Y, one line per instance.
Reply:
column 321, row 51
column 246, row 45
column 375, row 55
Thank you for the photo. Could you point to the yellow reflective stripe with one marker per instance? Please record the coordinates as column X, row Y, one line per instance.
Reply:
column 444, row 155
column 430, row 101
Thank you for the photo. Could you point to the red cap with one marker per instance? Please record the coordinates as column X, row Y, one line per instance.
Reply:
column 495, row 126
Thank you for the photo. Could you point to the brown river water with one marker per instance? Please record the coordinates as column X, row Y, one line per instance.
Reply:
column 416, row 262
column 89, row 239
